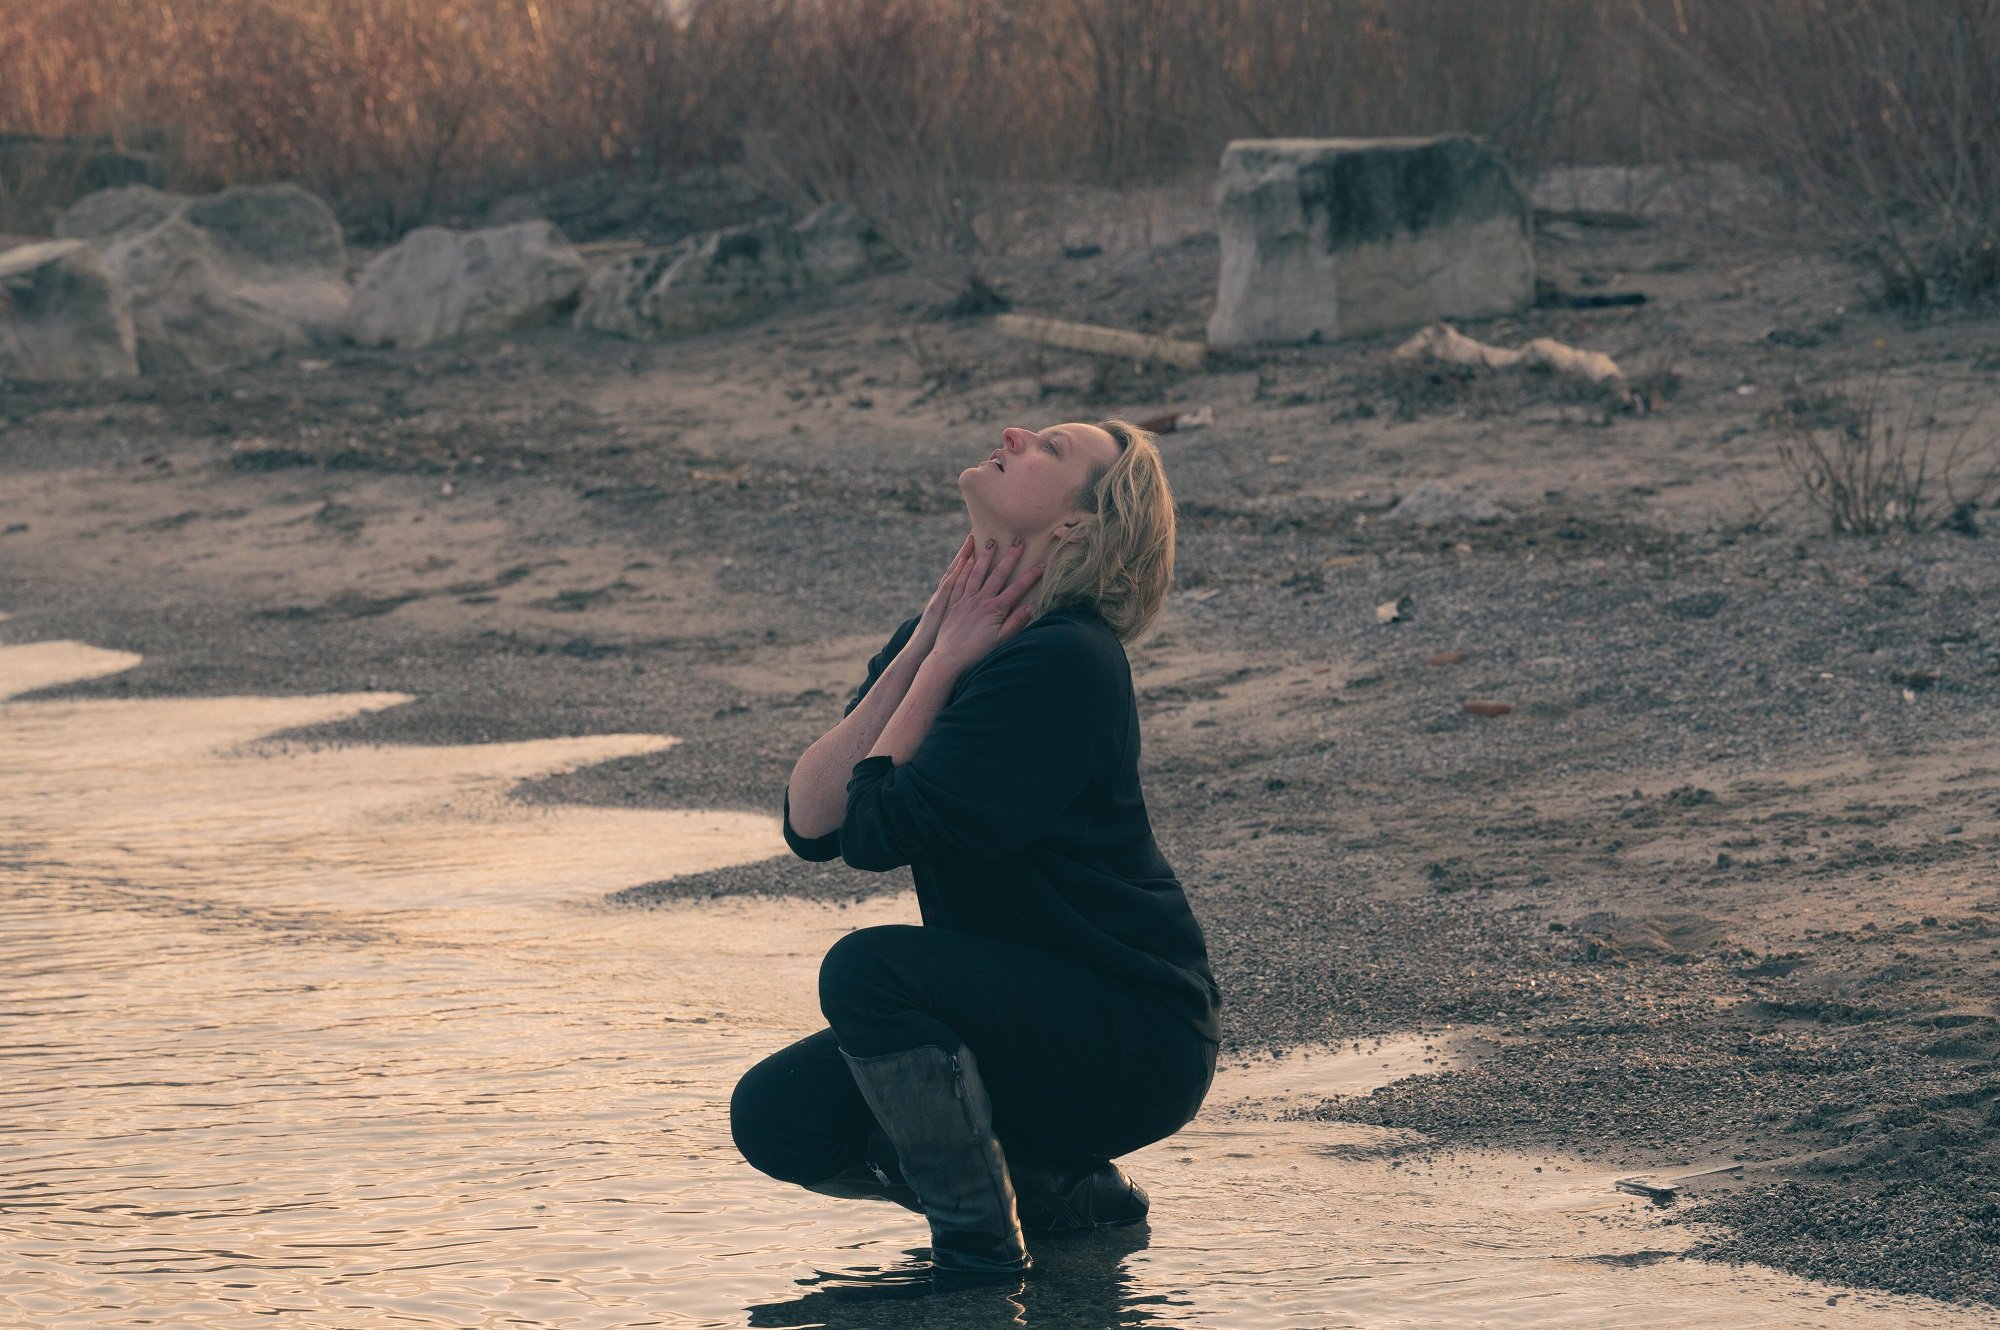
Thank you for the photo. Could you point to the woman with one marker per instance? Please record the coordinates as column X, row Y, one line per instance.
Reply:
column 1056, row 1008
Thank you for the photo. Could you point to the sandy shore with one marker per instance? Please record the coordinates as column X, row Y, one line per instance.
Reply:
column 1723, row 880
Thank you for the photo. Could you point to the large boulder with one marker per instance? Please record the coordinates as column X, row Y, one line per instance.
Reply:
column 726, row 277
column 221, row 279
column 438, row 284
column 1325, row 238
column 62, row 316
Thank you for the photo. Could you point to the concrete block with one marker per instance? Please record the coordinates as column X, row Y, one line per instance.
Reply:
column 1326, row 238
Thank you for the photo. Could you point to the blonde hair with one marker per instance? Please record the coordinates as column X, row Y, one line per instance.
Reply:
column 1120, row 558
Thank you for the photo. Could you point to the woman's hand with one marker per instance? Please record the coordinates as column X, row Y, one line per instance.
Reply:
column 926, row 632
column 982, row 608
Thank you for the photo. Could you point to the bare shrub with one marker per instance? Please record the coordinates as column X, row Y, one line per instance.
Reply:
column 1868, row 473
column 941, row 368
column 891, row 105
column 1876, row 114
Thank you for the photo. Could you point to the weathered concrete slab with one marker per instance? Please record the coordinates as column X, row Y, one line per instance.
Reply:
column 439, row 283
column 1325, row 238
column 62, row 316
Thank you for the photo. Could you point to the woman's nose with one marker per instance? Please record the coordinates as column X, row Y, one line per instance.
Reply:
column 1010, row 435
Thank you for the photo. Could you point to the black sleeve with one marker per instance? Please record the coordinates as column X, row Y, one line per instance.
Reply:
column 880, row 660
column 1032, row 725
column 819, row 849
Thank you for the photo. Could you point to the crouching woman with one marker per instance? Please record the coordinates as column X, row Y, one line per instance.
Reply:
column 1055, row 1009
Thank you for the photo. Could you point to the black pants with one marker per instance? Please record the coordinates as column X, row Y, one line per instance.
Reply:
column 1080, row 1066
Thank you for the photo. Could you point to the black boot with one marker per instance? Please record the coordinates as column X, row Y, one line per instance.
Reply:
column 1075, row 1198
column 876, row 1178
column 934, row 1108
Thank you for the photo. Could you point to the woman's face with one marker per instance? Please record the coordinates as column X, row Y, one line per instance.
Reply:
column 1029, row 484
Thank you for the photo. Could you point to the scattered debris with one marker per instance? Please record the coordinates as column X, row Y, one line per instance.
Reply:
column 1442, row 342
column 1548, row 297
column 1659, row 1193
column 733, row 476
column 1488, row 709
column 1168, row 422
column 1394, row 611
column 1665, row 1193
column 1091, row 338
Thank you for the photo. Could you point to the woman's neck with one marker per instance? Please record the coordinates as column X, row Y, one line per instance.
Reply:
column 1036, row 550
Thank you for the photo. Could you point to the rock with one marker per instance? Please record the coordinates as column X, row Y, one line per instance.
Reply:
column 619, row 296
column 220, row 279
column 1325, row 238
column 837, row 244
column 110, row 213
column 1431, row 503
column 727, row 277
column 1443, row 658
column 62, row 315
column 1671, row 935
column 1490, row 710
column 439, row 284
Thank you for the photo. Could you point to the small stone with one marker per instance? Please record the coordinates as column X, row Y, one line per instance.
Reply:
column 1431, row 503
column 1489, row 709
column 1446, row 658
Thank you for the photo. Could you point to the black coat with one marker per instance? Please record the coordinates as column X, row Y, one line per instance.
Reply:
column 1021, row 817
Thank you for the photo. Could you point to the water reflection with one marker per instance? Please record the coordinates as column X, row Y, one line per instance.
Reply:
column 338, row 1037
column 1081, row 1280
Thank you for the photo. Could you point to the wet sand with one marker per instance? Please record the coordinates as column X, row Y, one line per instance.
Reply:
column 363, row 1077
column 1720, row 887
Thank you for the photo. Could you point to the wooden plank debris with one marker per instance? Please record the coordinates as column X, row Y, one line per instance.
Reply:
column 1095, row 340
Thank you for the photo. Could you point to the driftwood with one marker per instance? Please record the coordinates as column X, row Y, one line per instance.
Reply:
column 1442, row 342
column 1091, row 338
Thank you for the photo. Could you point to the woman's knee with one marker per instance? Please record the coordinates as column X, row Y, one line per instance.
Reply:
column 858, row 977
column 755, row 1128
column 774, row 1132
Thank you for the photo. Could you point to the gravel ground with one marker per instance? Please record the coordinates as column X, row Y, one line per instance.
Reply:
column 1722, row 882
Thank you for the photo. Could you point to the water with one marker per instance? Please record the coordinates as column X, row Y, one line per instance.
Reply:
column 340, row 1036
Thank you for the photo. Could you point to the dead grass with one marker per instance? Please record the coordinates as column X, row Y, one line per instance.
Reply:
column 402, row 108
column 1876, row 115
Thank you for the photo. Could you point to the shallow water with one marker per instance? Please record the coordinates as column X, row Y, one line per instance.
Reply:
column 340, row 1036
